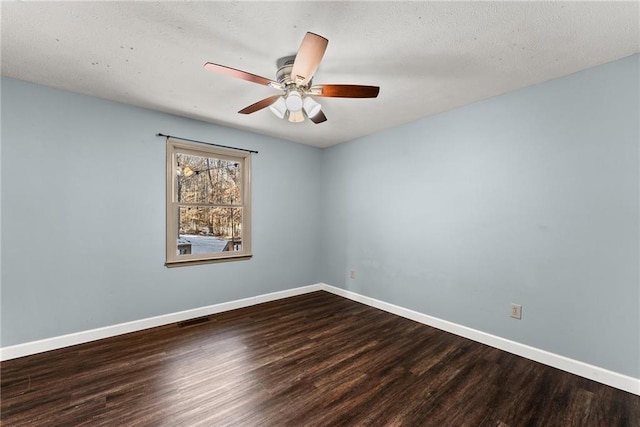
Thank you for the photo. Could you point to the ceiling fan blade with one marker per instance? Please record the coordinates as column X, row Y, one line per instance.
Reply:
column 222, row 69
column 345, row 91
column 308, row 58
column 318, row 118
column 259, row 105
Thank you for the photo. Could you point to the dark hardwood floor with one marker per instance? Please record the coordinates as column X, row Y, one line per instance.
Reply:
column 310, row 360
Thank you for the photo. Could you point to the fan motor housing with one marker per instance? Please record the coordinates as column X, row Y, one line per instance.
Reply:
column 285, row 65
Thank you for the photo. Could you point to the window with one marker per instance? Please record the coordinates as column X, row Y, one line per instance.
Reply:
column 208, row 203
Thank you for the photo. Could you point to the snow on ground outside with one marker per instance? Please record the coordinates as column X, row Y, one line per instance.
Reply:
column 203, row 244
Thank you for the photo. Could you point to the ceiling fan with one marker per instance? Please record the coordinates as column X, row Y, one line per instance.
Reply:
column 294, row 78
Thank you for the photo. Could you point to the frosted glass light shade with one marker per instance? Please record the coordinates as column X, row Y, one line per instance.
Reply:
column 294, row 101
column 311, row 107
column 279, row 107
column 296, row 116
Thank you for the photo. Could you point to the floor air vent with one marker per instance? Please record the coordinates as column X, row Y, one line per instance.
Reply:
column 192, row 322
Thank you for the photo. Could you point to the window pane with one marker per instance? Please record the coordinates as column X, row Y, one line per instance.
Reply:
column 209, row 230
column 208, row 180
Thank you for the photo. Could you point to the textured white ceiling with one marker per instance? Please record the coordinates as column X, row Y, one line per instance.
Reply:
column 427, row 57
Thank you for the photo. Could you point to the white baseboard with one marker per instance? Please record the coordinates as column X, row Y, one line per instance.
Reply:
column 595, row 373
column 33, row 347
column 604, row 376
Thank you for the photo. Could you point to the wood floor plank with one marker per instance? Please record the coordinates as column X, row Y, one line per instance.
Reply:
column 311, row 360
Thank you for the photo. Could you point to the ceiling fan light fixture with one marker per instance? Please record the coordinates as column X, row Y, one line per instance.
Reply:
column 279, row 108
column 294, row 101
column 295, row 78
column 311, row 107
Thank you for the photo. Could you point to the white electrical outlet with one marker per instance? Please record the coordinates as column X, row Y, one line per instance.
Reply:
column 516, row 311
column 352, row 274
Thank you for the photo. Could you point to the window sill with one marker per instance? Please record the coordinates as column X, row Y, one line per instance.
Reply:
column 172, row 264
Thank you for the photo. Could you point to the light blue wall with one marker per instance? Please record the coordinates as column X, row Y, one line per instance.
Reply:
column 530, row 197
column 83, row 215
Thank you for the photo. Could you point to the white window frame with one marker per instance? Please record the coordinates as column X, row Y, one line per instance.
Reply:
column 175, row 146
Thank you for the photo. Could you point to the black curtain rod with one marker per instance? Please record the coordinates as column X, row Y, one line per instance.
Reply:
column 208, row 143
